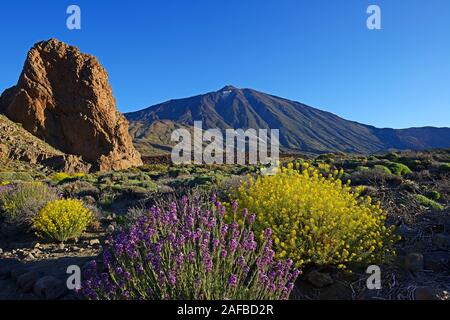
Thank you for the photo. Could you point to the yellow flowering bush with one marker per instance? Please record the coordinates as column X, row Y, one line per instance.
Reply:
column 62, row 176
column 316, row 219
column 62, row 220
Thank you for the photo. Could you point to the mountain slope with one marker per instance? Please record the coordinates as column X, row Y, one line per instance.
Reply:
column 302, row 128
column 19, row 148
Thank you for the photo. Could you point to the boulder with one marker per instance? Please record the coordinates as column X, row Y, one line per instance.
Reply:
column 319, row 279
column 49, row 288
column 64, row 97
column 26, row 281
column 67, row 163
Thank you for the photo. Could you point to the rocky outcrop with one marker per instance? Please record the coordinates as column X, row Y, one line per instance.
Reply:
column 64, row 98
column 17, row 144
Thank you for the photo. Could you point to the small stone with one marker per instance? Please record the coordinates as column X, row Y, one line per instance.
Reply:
column 94, row 242
column 1, row 251
column 425, row 293
column 414, row 262
column 319, row 279
column 110, row 228
column 37, row 245
column 30, row 256
column 441, row 241
column 27, row 280
column 61, row 246
column 49, row 288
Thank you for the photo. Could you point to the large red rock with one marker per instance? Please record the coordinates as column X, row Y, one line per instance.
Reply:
column 64, row 97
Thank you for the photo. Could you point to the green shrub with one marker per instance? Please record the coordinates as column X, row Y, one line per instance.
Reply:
column 444, row 168
column 21, row 201
column 428, row 202
column 15, row 176
column 382, row 168
column 392, row 156
column 399, row 169
column 434, row 195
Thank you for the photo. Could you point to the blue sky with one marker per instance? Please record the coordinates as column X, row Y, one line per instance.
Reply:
column 318, row 52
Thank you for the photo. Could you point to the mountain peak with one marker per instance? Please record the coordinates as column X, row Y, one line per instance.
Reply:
column 228, row 88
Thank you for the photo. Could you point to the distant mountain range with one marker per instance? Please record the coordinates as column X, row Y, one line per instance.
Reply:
column 302, row 128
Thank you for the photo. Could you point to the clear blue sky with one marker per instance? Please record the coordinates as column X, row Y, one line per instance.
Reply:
column 318, row 52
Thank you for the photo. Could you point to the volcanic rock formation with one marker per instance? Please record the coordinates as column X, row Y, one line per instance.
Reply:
column 64, row 97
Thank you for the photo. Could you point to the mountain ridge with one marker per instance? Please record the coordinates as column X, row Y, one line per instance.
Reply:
column 302, row 127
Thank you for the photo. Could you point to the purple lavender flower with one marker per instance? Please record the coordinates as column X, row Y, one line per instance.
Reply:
column 234, row 205
column 232, row 280
column 176, row 255
column 267, row 233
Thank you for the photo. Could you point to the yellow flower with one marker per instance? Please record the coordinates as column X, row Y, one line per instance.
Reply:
column 62, row 220
column 315, row 218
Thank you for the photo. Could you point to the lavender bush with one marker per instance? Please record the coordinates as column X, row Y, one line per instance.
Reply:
column 189, row 252
column 21, row 201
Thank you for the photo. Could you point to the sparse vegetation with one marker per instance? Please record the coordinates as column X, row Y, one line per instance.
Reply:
column 298, row 204
column 428, row 202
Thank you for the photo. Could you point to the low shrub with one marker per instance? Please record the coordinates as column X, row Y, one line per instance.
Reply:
column 15, row 176
column 382, row 168
column 21, row 201
column 316, row 219
column 189, row 252
column 434, row 195
column 428, row 202
column 62, row 220
column 399, row 169
column 392, row 156
column 374, row 177
column 60, row 177
column 78, row 189
column 444, row 168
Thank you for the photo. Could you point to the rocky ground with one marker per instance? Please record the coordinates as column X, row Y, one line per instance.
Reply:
column 31, row 268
